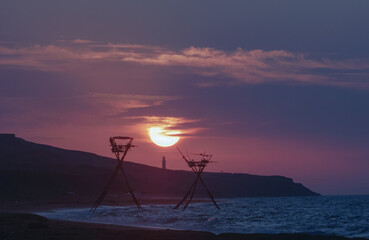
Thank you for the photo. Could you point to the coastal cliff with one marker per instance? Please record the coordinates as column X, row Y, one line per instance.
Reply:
column 31, row 171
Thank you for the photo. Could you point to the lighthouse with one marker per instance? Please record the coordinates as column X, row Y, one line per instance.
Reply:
column 164, row 163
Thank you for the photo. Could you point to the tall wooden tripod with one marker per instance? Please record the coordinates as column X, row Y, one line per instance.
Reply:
column 120, row 151
column 197, row 167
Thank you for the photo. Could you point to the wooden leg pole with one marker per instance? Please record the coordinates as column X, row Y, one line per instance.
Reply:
column 211, row 196
column 130, row 189
column 106, row 189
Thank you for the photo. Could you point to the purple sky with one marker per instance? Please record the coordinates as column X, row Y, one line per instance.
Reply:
column 268, row 87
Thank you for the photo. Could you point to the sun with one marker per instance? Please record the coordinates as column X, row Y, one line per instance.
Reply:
column 162, row 137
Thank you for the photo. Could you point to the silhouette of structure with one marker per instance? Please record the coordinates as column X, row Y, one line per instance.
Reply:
column 164, row 163
column 197, row 167
column 120, row 151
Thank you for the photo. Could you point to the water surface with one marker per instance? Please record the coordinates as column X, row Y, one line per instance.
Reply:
column 338, row 215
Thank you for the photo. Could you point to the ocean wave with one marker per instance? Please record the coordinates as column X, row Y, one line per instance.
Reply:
column 312, row 215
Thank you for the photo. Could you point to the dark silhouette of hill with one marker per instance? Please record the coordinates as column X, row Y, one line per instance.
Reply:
column 31, row 171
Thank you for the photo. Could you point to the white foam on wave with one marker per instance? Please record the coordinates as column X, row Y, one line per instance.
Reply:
column 314, row 215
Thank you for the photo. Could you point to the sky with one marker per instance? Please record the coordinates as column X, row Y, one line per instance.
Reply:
column 267, row 87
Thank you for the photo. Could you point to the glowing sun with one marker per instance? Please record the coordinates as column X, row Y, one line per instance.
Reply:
column 162, row 137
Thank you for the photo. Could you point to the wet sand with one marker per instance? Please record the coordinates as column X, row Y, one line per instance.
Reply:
column 33, row 227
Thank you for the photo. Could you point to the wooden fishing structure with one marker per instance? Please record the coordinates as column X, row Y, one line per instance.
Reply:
column 197, row 167
column 120, row 151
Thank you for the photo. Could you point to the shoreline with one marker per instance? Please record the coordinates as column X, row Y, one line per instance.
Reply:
column 32, row 206
column 33, row 226
column 24, row 220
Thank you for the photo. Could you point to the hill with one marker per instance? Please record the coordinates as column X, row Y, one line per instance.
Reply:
column 32, row 172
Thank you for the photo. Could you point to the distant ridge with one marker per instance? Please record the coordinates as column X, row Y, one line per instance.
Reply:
column 31, row 171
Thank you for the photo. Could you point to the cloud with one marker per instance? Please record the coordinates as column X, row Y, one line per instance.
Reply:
column 96, row 107
column 183, row 127
column 82, row 41
column 119, row 103
column 234, row 67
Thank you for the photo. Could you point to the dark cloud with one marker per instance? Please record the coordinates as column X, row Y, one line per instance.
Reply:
column 332, row 27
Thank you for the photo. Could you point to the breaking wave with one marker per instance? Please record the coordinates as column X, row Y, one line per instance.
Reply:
column 340, row 215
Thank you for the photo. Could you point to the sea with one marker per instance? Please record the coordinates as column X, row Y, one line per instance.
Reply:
column 318, row 215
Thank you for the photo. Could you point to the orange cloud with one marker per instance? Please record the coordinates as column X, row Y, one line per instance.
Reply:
column 170, row 124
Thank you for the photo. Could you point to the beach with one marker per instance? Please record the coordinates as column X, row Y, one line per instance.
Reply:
column 30, row 220
column 161, row 120
column 32, row 227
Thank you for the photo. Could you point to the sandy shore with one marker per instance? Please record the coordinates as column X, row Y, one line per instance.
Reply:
column 34, row 227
